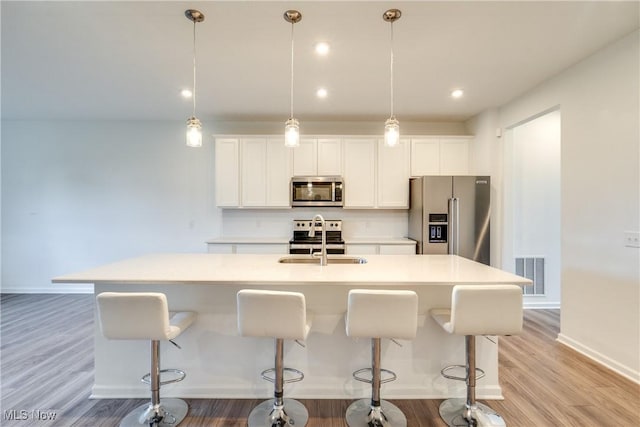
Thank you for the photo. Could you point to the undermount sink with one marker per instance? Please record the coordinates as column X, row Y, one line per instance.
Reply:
column 335, row 259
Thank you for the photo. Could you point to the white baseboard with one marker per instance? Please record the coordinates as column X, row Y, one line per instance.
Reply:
column 53, row 289
column 230, row 391
column 547, row 305
column 607, row 362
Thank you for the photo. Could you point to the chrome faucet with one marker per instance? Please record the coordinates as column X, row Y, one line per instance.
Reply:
column 312, row 233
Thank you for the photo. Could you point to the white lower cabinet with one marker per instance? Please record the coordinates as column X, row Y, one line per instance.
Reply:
column 361, row 249
column 247, row 248
column 397, row 249
column 381, row 249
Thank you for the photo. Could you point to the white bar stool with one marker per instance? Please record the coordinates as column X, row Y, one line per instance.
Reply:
column 379, row 314
column 145, row 316
column 280, row 315
column 477, row 310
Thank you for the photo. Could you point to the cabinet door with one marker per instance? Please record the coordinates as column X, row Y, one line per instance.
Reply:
column 227, row 173
column 305, row 158
column 397, row 249
column 278, row 173
column 220, row 248
column 256, row 248
column 329, row 157
column 425, row 156
column 359, row 172
column 361, row 249
column 454, row 156
column 254, row 163
column 393, row 175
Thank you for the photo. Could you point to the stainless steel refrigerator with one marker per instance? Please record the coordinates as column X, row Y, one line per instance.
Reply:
column 450, row 215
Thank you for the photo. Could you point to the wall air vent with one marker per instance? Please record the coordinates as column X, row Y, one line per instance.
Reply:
column 533, row 269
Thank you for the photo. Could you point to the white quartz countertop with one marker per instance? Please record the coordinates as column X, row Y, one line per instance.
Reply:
column 211, row 269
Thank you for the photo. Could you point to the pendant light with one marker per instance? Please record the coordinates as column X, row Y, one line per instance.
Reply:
column 291, row 128
column 391, row 126
column 194, row 128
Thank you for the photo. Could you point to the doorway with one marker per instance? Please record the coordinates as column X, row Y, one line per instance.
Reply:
column 532, row 203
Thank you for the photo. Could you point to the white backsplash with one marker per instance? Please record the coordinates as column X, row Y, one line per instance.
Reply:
column 279, row 222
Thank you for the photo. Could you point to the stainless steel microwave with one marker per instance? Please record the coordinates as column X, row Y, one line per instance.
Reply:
column 317, row 191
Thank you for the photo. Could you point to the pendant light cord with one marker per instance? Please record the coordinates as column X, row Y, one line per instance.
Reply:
column 292, row 24
column 194, row 69
column 391, row 74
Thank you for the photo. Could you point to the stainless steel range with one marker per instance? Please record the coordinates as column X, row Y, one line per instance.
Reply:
column 303, row 244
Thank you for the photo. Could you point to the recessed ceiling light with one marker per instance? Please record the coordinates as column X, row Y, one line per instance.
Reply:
column 186, row 93
column 322, row 48
column 457, row 93
column 322, row 93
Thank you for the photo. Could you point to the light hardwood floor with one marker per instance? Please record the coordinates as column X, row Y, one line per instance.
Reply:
column 46, row 351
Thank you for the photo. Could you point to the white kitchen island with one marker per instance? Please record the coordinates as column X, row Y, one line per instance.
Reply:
column 221, row 364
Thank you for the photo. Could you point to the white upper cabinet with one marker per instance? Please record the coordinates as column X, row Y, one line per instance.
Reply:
column 329, row 156
column 227, row 173
column 454, row 156
column 255, row 171
column 318, row 157
column 446, row 155
column 252, row 172
column 359, row 172
column 305, row 158
column 278, row 173
column 393, row 175
column 425, row 156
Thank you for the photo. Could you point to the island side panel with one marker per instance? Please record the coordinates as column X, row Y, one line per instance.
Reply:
column 221, row 364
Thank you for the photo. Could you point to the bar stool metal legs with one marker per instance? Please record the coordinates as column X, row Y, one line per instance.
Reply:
column 169, row 412
column 461, row 412
column 375, row 412
column 279, row 412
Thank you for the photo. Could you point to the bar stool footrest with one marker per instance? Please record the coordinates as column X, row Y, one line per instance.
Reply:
column 181, row 376
column 299, row 375
column 479, row 372
column 357, row 377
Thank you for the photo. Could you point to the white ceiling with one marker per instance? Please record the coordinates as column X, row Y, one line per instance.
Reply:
column 129, row 60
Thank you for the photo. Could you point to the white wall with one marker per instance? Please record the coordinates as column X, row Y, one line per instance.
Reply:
column 599, row 102
column 534, row 200
column 80, row 194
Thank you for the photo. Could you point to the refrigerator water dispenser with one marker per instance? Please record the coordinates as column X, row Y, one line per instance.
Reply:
column 438, row 228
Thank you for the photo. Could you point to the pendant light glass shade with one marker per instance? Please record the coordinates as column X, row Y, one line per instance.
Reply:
column 391, row 132
column 392, row 125
column 194, row 128
column 292, row 133
column 194, row 132
column 291, row 126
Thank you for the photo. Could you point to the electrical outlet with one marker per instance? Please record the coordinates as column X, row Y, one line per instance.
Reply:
column 632, row 239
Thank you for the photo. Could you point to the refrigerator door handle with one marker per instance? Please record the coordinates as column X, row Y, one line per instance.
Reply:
column 454, row 209
column 451, row 247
